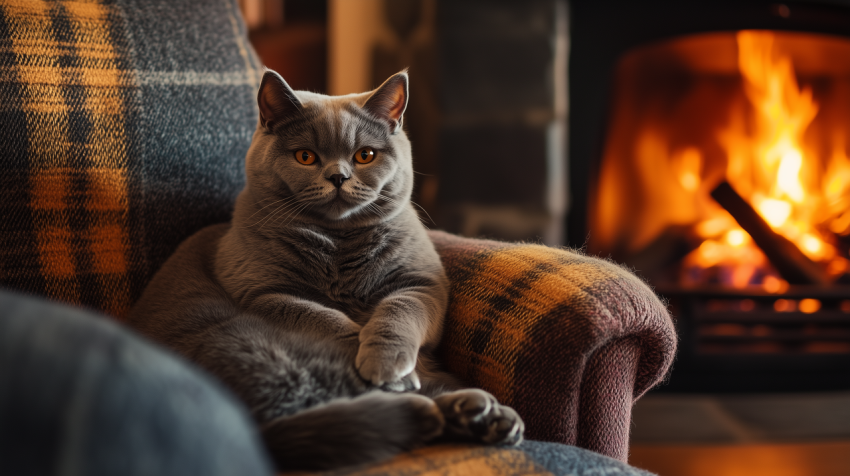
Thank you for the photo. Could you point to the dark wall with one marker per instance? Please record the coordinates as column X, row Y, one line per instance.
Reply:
column 498, row 110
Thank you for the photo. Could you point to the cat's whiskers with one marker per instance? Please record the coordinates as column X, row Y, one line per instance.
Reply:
column 421, row 220
column 289, row 212
column 286, row 200
column 426, row 214
column 387, row 198
column 266, row 199
column 393, row 200
column 281, row 211
column 377, row 209
column 304, row 206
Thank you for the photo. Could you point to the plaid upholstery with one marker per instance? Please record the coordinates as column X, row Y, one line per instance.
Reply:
column 461, row 460
column 124, row 131
column 568, row 340
column 125, row 124
column 532, row 458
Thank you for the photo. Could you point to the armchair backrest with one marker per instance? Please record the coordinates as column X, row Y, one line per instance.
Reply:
column 125, row 125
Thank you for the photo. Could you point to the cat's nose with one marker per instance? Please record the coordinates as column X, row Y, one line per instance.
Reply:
column 337, row 179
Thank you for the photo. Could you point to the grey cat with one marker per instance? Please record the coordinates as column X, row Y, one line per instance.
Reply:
column 320, row 304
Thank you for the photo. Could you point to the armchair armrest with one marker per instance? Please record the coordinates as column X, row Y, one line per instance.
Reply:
column 569, row 341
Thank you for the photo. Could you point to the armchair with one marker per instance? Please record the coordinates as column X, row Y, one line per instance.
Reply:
column 125, row 124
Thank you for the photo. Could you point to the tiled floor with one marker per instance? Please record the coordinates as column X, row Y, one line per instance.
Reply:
column 665, row 418
column 777, row 459
column 730, row 435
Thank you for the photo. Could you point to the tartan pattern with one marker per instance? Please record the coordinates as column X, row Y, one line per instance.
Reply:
column 532, row 458
column 107, row 112
column 567, row 340
column 70, row 103
column 448, row 460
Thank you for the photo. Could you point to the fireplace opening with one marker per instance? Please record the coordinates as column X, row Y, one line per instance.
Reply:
column 767, row 112
column 725, row 181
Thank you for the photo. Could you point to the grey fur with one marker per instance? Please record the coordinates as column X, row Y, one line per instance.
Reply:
column 318, row 300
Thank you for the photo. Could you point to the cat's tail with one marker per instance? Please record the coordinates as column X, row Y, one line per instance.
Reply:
column 367, row 428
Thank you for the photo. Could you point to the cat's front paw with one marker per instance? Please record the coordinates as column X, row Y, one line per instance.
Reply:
column 475, row 415
column 388, row 366
column 408, row 383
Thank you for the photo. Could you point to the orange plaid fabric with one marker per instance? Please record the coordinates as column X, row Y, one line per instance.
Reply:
column 449, row 460
column 569, row 341
column 532, row 458
column 69, row 108
column 106, row 113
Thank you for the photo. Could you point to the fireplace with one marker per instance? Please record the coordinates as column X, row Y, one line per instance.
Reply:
column 722, row 175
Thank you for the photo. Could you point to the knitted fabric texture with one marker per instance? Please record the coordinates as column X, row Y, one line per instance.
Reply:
column 125, row 126
column 532, row 458
column 570, row 341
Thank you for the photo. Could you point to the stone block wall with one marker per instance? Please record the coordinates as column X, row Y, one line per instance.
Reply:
column 502, row 135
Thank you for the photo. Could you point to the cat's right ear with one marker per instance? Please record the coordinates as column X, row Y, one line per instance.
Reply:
column 276, row 99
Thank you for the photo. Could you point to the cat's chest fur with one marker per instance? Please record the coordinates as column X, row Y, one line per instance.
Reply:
column 350, row 270
column 345, row 265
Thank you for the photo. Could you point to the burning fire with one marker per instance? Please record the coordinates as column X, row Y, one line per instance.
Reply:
column 771, row 167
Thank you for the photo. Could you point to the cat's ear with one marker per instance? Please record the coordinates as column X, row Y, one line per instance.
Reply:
column 276, row 99
column 389, row 101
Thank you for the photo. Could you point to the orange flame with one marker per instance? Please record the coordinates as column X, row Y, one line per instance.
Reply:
column 694, row 111
column 769, row 164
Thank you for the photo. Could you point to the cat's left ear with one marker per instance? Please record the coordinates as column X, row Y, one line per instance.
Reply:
column 275, row 99
column 389, row 101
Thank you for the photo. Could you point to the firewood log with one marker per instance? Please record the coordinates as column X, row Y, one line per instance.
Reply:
column 794, row 266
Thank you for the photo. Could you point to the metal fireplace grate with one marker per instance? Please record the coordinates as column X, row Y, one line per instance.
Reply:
column 756, row 341
column 773, row 325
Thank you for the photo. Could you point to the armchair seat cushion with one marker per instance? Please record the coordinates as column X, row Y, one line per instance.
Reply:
column 116, row 404
column 531, row 458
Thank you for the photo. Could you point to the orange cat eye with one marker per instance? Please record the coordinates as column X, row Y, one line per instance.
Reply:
column 305, row 157
column 365, row 155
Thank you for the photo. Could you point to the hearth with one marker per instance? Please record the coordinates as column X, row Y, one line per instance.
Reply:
column 722, row 175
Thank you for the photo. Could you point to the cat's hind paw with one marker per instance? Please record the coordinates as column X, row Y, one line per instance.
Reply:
column 475, row 415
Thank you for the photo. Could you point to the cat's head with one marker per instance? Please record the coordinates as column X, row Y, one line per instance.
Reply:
column 336, row 160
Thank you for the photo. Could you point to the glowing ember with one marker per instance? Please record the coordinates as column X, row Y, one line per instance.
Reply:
column 809, row 306
column 736, row 238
